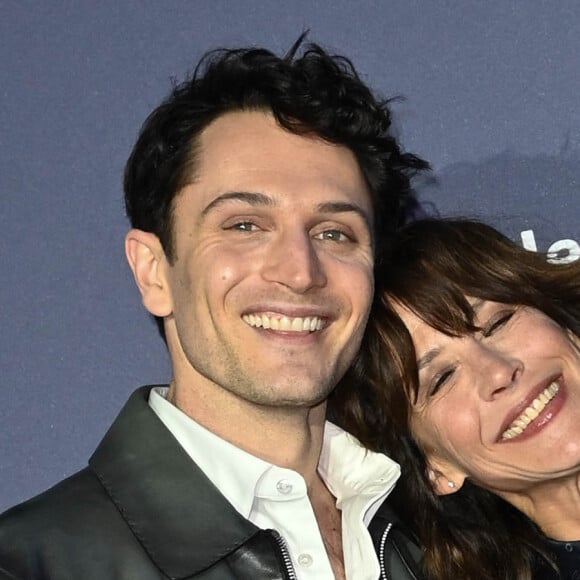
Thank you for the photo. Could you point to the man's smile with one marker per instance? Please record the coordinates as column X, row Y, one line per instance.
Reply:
column 284, row 323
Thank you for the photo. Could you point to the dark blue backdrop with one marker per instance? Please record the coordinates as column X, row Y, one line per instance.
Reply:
column 492, row 100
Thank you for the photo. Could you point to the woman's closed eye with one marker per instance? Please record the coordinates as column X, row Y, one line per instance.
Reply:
column 497, row 322
column 439, row 380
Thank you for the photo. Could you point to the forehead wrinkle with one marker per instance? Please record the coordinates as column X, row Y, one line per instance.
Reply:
column 251, row 198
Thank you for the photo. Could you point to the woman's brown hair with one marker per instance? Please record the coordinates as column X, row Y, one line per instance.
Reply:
column 433, row 265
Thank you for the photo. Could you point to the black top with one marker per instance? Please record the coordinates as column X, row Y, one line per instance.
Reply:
column 567, row 556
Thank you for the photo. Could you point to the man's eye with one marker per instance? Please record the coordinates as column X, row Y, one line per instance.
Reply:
column 333, row 236
column 497, row 322
column 243, row 226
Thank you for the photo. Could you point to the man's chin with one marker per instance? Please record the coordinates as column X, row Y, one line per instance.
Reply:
column 291, row 397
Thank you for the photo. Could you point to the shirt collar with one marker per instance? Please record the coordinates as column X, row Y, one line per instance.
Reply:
column 232, row 470
column 355, row 476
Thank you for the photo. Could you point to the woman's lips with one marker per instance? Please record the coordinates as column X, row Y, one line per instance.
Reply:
column 536, row 412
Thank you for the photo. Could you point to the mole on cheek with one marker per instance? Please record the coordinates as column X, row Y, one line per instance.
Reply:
column 227, row 274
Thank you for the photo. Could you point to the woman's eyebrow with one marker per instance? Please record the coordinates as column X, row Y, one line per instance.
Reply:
column 428, row 358
column 476, row 304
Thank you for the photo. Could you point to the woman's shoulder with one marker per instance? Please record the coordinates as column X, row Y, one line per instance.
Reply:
column 399, row 552
column 567, row 556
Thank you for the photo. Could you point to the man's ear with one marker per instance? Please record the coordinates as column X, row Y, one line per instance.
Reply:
column 444, row 478
column 148, row 262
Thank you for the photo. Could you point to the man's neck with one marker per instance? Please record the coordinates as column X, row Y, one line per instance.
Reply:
column 289, row 437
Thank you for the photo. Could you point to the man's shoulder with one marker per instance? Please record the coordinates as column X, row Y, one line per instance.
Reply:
column 73, row 502
column 67, row 504
column 55, row 534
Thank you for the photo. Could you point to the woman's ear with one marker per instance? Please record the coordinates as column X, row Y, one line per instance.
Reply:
column 444, row 478
column 148, row 262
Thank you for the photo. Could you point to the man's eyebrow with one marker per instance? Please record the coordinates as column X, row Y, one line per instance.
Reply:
column 427, row 358
column 345, row 207
column 254, row 198
column 248, row 197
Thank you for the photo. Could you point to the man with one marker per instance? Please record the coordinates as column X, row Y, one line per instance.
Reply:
column 259, row 194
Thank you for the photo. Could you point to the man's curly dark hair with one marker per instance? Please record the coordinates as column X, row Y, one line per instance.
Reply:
column 309, row 91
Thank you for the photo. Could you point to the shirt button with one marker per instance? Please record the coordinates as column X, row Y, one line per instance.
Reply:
column 284, row 487
column 305, row 560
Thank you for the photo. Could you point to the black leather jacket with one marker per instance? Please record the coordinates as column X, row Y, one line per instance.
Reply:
column 399, row 555
column 142, row 510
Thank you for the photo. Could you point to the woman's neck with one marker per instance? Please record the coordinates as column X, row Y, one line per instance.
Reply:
column 554, row 506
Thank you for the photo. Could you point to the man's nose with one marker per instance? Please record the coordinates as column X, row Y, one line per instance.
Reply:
column 498, row 371
column 292, row 260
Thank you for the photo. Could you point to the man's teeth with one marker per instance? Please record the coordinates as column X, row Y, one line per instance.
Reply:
column 537, row 406
column 285, row 323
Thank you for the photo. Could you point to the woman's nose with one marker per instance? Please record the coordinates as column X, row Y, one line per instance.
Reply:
column 499, row 371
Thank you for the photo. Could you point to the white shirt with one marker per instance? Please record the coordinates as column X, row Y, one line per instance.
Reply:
column 273, row 497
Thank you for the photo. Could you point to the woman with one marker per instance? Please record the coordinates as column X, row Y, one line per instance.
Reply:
column 473, row 357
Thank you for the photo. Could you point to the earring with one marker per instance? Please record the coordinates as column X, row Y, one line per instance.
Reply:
column 450, row 484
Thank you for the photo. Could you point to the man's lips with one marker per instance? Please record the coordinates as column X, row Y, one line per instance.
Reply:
column 530, row 413
column 285, row 323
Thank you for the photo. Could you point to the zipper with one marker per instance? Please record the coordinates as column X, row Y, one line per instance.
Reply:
column 382, row 545
column 285, row 555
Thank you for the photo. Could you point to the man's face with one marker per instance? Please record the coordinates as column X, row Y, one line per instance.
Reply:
column 272, row 280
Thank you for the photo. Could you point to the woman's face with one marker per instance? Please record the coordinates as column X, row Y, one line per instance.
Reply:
column 501, row 406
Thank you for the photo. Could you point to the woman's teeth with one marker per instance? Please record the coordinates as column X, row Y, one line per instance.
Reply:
column 537, row 406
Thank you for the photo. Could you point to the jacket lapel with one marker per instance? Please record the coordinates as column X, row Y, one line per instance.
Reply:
column 177, row 514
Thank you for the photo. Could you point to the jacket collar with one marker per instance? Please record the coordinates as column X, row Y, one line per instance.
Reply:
column 176, row 513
